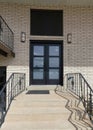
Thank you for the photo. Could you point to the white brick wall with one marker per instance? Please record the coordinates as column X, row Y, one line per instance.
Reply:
column 78, row 56
column 17, row 18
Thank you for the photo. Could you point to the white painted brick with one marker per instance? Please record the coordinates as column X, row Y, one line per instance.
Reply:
column 78, row 56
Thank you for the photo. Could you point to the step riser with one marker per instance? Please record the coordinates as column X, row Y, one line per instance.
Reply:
column 42, row 112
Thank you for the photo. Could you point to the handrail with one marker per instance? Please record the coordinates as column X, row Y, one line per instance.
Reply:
column 6, row 34
column 86, row 82
column 14, row 86
column 77, row 84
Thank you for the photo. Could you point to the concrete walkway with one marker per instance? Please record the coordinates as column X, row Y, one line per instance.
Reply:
column 38, row 112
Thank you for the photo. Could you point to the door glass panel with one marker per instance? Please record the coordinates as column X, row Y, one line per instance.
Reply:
column 38, row 50
column 53, row 62
column 53, row 73
column 38, row 62
column 53, row 50
column 45, row 62
column 38, row 74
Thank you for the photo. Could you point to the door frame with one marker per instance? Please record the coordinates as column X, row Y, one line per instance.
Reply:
column 3, row 68
column 42, row 42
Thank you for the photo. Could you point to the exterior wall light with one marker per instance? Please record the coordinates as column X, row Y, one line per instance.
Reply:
column 69, row 38
column 23, row 36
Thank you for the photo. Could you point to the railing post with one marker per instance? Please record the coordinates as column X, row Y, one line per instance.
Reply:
column 79, row 84
column 90, row 105
column 20, row 83
column 67, row 81
column 24, row 81
column 12, row 79
column 73, row 83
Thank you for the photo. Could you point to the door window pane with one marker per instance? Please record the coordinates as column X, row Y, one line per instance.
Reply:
column 38, row 62
column 38, row 74
column 53, row 73
column 53, row 62
column 53, row 50
column 38, row 50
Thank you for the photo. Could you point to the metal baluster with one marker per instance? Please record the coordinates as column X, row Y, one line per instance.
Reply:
column 84, row 96
column 81, row 88
column 79, row 84
column 90, row 105
column 87, row 98
column 24, row 81
column 68, row 85
column 75, row 85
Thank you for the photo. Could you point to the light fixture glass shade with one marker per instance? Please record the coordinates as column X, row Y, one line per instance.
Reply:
column 23, row 36
column 69, row 38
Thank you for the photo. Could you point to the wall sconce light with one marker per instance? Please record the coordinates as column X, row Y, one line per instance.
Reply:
column 69, row 38
column 23, row 36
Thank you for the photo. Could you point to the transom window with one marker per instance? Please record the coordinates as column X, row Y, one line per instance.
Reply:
column 46, row 22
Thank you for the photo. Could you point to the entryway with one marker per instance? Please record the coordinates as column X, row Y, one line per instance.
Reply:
column 46, row 62
column 2, row 76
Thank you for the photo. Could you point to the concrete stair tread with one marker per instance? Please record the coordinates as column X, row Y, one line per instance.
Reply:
column 35, row 98
column 38, row 125
column 37, row 117
column 43, row 112
column 36, row 104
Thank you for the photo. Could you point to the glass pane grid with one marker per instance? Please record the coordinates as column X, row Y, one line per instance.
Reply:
column 38, row 51
column 54, row 74
column 54, row 62
column 53, row 50
column 38, row 74
column 38, row 62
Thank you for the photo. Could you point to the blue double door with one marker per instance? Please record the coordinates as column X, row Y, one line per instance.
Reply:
column 46, row 62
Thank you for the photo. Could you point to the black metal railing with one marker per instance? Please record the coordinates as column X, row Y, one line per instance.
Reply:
column 6, row 34
column 77, row 84
column 14, row 86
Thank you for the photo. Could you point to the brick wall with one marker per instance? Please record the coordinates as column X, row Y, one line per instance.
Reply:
column 17, row 17
column 78, row 56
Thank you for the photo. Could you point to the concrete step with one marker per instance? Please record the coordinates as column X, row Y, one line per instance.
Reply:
column 38, row 125
column 41, row 110
column 44, row 112
column 37, row 117
column 42, row 87
column 20, row 105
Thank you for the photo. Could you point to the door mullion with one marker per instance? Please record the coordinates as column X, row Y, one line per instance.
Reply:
column 45, row 64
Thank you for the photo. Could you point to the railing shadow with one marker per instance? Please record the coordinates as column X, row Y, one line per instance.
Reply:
column 78, row 85
column 76, row 118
